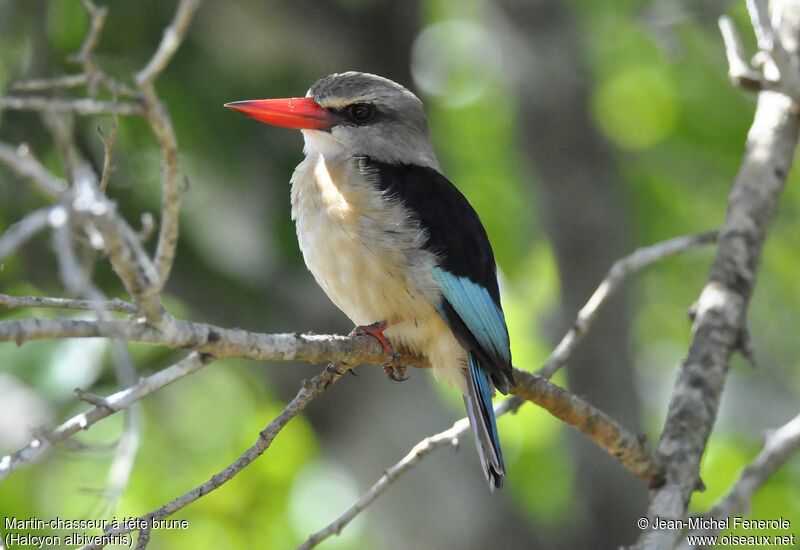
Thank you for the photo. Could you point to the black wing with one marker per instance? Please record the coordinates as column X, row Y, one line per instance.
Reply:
column 457, row 237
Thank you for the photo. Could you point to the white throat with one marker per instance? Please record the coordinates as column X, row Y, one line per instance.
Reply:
column 322, row 143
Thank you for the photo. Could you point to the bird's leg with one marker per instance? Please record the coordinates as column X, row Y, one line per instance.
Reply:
column 375, row 330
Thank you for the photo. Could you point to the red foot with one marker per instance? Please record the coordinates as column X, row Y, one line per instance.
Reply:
column 376, row 331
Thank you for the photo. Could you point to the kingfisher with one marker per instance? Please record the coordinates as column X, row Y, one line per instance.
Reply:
column 392, row 242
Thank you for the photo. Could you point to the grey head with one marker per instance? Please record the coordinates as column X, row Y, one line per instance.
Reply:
column 375, row 117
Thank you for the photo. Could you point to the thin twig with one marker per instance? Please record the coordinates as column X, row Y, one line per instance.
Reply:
column 78, row 281
column 447, row 438
column 22, row 162
column 115, row 402
column 171, row 41
column 128, row 258
column 109, row 141
column 308, row 392
column 97, row 19
column 622, row 268
column 120, row 306
column 77, row 106
column 772, row 68
column 22, row 231
column 46, row 84
column 631, row 450
column 158, row 117
column 70, row 81
column 740, row 72
column 144, row 539
column 779, row 446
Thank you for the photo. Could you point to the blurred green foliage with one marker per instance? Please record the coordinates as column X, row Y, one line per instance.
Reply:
column 660, row 96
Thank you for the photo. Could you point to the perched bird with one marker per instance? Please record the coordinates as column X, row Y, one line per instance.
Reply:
column 392, row 242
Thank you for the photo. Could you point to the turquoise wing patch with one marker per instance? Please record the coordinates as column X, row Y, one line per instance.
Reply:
column 476, row 308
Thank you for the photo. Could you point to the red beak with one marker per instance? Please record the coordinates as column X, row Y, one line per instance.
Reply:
column 299, row 113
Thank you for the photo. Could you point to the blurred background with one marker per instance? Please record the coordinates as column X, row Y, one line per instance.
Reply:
column 579, row 130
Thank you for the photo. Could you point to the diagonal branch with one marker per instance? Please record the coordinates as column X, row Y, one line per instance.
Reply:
column 24, row 164
column 631, row 450
column 22, row 231
column 308, row 392
column 111, row 404
column 622, row 268
column 779, row 446
column 171, row 41
column 447, row 438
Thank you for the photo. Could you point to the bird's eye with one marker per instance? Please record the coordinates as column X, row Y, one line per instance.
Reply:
column 361, row 112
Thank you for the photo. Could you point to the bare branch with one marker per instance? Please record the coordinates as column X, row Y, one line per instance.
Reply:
column 77, row 106
column 308, row 392
column 116, row 304
column 22, row 231
column 70, row 81
column 128, row 258
column 173, row 37
column 772, row 67
column 115, row 402
column 22, row 162
column 630, row 449
column 144, row 539
column 779, row 446
column 217, row 341
column 161, row 125
column 622, row 268
column 109, row 141
column 46, row 84
column 78, row 281
column 759, row 17
column 97, row 19
column 740, row 72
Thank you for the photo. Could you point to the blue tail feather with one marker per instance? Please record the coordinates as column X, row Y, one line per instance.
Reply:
column 478, row 401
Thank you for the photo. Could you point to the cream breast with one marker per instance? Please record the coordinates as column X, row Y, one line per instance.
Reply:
column 367, row 255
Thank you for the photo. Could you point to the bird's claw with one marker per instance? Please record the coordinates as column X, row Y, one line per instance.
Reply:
column 376, row 331
column 396, row 374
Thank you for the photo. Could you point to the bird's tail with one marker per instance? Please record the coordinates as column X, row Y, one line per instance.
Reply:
column 478, row 400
